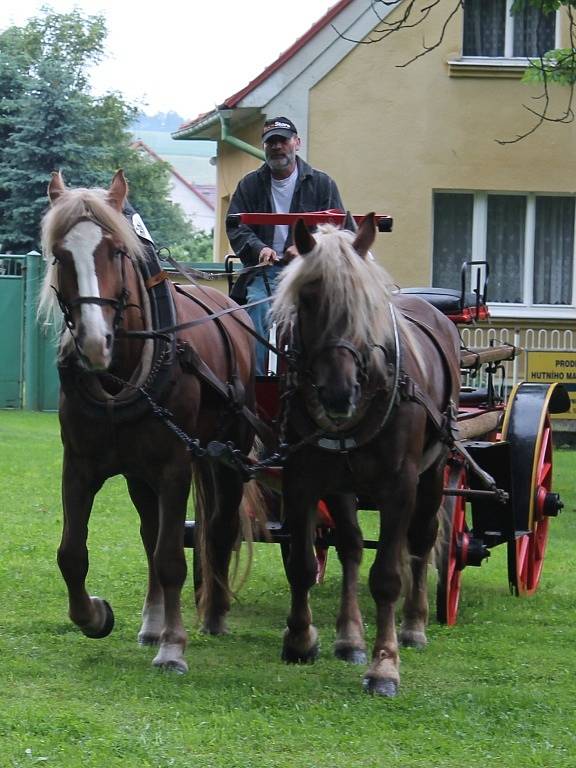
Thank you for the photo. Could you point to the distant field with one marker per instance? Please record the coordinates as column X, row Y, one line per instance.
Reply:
column 498, row 689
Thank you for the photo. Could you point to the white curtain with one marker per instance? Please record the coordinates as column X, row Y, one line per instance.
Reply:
column 534, row 32
column 452, row 237
column 505, row 238
column 484, row 27
column 553, row 250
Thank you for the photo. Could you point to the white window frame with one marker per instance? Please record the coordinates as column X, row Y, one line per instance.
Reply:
column 479, row 237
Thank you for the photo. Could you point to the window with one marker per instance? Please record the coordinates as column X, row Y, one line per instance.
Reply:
column 491, row 30
column 527, row 240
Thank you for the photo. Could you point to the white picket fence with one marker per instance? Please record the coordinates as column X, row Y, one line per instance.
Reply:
column 526, row 339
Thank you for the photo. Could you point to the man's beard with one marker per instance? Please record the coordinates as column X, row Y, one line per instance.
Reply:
column 281, row 162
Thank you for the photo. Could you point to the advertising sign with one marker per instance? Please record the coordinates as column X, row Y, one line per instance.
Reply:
column 554, row 366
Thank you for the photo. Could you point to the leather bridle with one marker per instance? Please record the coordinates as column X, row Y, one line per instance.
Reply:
column 119, row 303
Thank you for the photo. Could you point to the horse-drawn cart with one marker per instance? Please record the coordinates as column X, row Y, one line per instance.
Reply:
column 498, row 478
column 157, row 385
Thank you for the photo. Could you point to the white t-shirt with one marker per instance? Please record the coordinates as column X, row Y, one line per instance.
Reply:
column 282, row 193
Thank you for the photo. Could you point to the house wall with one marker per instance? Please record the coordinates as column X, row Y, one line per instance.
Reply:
column 390, row 136
column 200, row 214
column 232, row 166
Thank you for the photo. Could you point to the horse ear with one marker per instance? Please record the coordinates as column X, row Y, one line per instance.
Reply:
column 118, row 191
column 56, row 186
column 350, row 223
column 303, row 238
column 366, row 235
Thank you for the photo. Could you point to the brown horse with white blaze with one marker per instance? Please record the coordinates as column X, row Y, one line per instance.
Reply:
column 370, row 413
column 134, row 402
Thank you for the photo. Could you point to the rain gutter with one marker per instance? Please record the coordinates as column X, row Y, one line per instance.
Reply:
column 226, row 136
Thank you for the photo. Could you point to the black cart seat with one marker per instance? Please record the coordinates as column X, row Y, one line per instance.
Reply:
column 459, row 307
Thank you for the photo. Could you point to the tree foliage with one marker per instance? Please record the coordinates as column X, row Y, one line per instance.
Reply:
column 50, row 121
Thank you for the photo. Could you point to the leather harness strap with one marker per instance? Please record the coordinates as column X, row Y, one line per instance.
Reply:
column 156, row 279
column 191, row 362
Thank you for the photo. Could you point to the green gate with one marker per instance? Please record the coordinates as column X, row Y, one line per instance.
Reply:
column 28, row 375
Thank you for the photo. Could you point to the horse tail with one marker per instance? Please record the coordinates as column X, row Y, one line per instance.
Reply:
column 211, row 583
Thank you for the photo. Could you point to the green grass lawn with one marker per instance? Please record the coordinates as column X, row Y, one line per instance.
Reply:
column 498, row 689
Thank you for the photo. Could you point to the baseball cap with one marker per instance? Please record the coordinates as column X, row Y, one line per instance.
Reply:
column 278, row 126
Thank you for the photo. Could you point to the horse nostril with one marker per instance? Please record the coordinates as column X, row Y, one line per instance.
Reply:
column 108, row 340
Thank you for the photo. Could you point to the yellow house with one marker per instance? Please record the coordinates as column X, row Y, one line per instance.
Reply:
column 421, row 143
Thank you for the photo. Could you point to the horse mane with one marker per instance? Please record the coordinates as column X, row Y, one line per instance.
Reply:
column 72, row 206
column 354, row 289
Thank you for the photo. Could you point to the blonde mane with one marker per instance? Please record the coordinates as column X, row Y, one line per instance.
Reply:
column 71, row 207
column 354, row 289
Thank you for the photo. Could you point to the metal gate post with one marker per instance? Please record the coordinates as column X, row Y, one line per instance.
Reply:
column 31, row 333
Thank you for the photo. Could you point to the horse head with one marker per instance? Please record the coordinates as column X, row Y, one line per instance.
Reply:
column 336, row 305
column 89, row 243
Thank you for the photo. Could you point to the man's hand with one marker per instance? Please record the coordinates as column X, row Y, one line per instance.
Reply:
column 267, row 256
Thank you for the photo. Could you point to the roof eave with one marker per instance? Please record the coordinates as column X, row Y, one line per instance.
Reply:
column 204, row 128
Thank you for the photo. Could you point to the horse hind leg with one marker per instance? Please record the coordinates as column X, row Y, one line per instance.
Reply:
column 92, row 615
column 145, row 500
column 219, row 494
column 349, row 644
column 421, row 537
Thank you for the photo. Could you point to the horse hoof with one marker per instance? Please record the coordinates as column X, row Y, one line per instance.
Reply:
column 148, row 639
column 416, row 640
column 379, row 687
column 215, row 629
column 170, row 659
column 178, row 667
column 108, row 624
column 292, row 656
column 351, row 655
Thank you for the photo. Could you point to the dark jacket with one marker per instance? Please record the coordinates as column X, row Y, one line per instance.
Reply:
column 315, row 191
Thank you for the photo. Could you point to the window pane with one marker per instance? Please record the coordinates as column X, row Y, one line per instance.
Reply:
column 452, row 237
column 534, row 32
column 505, row 247
column 484, row 26
column 554, row 250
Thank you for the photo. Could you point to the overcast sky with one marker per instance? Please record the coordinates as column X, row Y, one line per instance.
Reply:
column 184, row 56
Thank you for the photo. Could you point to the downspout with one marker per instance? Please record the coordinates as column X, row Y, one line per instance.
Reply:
column 225, row 136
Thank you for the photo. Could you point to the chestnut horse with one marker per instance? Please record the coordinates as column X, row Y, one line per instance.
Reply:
column 369, row 413
column 136, row 359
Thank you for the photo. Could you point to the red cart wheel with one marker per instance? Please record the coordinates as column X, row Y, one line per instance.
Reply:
column 527, row 553
column 453, row 549
column 527, row 429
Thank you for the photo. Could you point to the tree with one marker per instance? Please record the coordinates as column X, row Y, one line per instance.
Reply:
column 50, row 121
column 49, row 124
column 557, row 66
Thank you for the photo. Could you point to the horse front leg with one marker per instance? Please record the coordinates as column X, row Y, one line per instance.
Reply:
column 145, row 499
column 421, row 537
column 349, row 644
column 383, row 675
column 300, row 643
column 92, row 615
column 170, row 565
